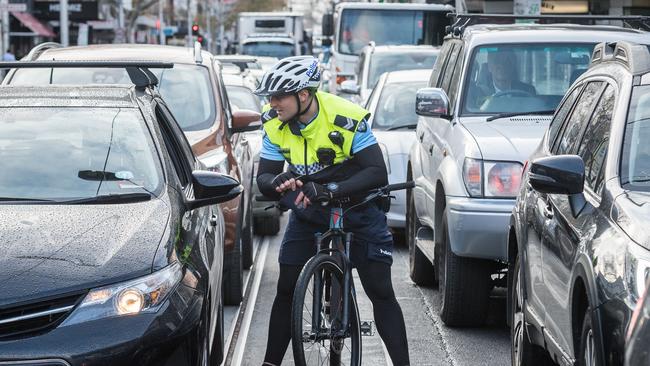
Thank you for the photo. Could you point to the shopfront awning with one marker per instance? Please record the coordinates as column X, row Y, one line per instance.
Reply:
column 33, row 24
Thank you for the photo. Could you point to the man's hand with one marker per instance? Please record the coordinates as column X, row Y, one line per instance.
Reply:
column 286, row 181
column 312, row 192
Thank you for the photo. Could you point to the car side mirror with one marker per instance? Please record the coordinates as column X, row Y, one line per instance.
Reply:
column 349, row 87
column 559, row 174
column 211, row 188
column 432, row 102
column 328, row 24
column 244, row 120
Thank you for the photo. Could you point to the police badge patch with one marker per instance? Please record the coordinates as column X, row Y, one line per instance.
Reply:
column 363, row 126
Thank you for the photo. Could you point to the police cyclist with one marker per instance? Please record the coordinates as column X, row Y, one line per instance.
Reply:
column 331, row 153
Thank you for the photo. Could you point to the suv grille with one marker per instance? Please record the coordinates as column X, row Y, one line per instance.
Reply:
column 27, row 319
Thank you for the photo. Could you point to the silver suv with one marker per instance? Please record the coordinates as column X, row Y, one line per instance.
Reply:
column 491, row 95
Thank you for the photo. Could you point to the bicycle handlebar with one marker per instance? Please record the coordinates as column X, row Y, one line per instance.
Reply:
column 388, row 188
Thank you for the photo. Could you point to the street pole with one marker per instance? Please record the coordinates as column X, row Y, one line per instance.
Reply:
column 222, row 48
column 208, row 25
column 120, row 20
column 161, row 21
column 5, row 27
column 63, row 23
column 189, row 24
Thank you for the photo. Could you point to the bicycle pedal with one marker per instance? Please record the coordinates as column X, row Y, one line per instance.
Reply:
column 367, row 328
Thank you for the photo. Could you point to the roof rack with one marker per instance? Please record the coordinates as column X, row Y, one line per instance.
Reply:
column 138, row 71
column 463, row 20
column 39, row 49
column 635, row 57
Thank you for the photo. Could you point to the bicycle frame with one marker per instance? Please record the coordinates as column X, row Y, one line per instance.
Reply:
column 330, row 241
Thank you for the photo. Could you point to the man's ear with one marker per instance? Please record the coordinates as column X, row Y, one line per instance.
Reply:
column 303, row 95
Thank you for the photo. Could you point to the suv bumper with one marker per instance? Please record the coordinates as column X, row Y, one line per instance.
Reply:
column 478, row 228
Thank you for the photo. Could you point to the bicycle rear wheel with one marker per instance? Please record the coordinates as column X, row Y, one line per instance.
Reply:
column 327, row 342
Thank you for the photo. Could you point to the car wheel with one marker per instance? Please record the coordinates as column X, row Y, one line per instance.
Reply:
column 421, row 270
column 247, row 237
column 269, row 225
column 233, row 276
column 522, row 351
column 465, row 285
column 587, row 355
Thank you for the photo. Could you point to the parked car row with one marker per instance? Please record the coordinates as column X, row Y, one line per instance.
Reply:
column 529, row 157
column 144, row 224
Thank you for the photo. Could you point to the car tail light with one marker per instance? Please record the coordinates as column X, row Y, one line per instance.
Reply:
column 340, row 78
column 503, row 179
column 472, row 175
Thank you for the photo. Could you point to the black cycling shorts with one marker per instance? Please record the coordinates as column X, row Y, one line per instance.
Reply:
column 372, row 240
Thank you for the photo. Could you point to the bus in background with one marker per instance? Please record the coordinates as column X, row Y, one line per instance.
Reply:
column 352, row 25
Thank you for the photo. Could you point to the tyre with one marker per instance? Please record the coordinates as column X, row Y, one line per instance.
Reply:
column 421, row 270
column 329, row 342
column 267, row 225
column 247, row 236
column 233, row 276
column 587, row 353
column 522, row 351
column 464, row 284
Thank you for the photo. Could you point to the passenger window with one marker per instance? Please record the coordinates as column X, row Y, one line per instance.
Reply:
column 455, row 78
column 441, row 61
column 183, row 171
column 574, row 125
column 449, row 69
column 593, row 148
column 359, row 68
column 561, row 114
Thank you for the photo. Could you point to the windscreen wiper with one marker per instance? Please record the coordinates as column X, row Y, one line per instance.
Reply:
column 514, row 114
column 409, row 126
column 112, row 198
column 24, row 199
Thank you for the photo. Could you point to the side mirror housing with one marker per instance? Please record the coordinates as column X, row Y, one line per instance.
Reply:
column 328, row 24
column 244, row 120
column 211, row 188
column 432, row 102
column 349, row 87
column 560, row 174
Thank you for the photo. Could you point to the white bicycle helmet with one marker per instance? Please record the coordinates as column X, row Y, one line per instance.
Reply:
column 290, row 75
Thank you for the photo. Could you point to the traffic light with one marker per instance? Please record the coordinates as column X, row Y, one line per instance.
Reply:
column 195, row 29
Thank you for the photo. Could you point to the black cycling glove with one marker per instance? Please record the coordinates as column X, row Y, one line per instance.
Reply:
column 316, row 192
column 282, row 178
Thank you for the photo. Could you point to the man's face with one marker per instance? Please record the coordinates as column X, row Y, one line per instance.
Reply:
column 500, row 66
column 286, row 105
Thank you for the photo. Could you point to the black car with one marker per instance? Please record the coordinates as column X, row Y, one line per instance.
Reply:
column 111, row 247
column 578, row 244
column 637, row 352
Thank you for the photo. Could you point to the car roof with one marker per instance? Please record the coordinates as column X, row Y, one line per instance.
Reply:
column 244, row 58
column 404, row 48
column 480, row 34
column 136, row 52
column 101, row 96
column 392, row 6
column 408, row 76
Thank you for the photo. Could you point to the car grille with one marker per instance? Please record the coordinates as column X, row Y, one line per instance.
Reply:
column 26, row 320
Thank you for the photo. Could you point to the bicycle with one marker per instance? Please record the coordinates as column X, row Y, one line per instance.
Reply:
column 324, row 294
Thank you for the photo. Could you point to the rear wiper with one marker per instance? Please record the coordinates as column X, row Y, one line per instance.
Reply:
column 23, row 199
column 514, row 114
column 409, row 126
column 112, row 198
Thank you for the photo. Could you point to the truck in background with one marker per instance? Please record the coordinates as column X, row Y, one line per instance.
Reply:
column 352, row 25
column 275, row 34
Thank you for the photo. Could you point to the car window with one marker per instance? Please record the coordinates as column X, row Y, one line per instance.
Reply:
column 385, row 62
column 448, row 61
column 79, row 152
column 359, row 68
column 455, row 78
column 243, row 98
column 186, row 88
column 439, row 65
column 174, row 148
column 396, row 105
column 449, row 70
column 593, row 147
column 635, row 161
column 576, row 122
column 511, row 78
column 561, row 114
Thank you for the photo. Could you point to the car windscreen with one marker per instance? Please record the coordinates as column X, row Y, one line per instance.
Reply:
column 396, row 106
column 521, row 77
column 71, row 153
column 242, row 98
column 635, row 161
column 385, row 62
column 389, row 27
column 185, row 88
column 273, row 49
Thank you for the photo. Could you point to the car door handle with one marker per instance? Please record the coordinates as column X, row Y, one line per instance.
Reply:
column 213, row 220
column 431, row 149
column 548, row 210
column 421, row 136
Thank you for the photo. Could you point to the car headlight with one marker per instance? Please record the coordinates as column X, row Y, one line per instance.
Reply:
column 142, row 295
column 485, row 178
column 637, row 269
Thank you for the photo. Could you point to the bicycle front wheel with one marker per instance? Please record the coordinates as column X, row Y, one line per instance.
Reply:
column 318, row 335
